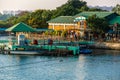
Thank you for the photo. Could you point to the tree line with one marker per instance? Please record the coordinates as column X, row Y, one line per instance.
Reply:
column 39, row 18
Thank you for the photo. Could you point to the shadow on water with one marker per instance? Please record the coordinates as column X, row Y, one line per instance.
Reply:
column 95, row 66
column 98, row 52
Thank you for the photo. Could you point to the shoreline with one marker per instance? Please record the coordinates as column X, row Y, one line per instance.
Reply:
column 105, row 45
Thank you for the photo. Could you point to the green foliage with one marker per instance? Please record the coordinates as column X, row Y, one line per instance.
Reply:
column 95, row 9
column 36, row 19
column 70, row 8
column 64, row 33
column 57, row 32
column 46, row 33
column 39, row 18
column 117, row 9
column 84, row 8
column 4, row 24
column 22, row 17
column 98, row 24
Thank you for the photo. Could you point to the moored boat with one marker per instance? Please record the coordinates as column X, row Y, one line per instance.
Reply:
column 84, row 49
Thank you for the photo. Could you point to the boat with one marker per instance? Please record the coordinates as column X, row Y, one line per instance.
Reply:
column 84, row 49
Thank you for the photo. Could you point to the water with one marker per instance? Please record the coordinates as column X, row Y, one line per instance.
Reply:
column 6, row 37
column 103, row 65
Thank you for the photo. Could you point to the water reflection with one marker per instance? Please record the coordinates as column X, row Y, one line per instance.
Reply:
column 80, row 68
column 101, row 67
column 104, row 65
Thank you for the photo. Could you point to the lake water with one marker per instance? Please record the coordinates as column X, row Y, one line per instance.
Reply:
column 103, row 65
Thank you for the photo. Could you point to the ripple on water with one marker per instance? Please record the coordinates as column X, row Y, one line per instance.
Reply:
column 84, row 67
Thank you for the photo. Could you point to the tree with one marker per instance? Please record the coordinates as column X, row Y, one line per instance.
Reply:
column 97, row 24
column 36, row 19
column 116, row 9
column 4, row 24
column 39, row 17
column 84, row 8
column 70, row 8
column 21, row 17
column 95, row 9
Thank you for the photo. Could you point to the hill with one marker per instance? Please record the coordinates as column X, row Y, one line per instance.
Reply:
column 103, row 7
column 4, row 16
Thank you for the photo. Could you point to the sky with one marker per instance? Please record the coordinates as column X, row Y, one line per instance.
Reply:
column 47, row 4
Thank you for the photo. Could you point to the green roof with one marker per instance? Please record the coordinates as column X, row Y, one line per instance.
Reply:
column 99, row 14
column 70, row 19
column 62, row 19
column 115, row 20
column 21, row 27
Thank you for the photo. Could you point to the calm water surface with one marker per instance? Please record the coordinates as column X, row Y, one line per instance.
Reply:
column 104, row 65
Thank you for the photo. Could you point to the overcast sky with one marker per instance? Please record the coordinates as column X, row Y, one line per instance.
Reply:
column 47, row 4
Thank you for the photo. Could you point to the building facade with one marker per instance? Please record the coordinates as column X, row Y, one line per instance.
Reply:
column 78, row 22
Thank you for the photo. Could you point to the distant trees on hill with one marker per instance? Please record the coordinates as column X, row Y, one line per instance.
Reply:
column 4, row 16
column 117, row 9
column 38, row 18
column 70, row 8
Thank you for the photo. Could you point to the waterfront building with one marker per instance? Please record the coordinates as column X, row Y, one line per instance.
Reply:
column 78, row 22
column 28, row 31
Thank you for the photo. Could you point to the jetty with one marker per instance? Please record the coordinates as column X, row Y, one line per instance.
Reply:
column 23, row 44
column 55, row 50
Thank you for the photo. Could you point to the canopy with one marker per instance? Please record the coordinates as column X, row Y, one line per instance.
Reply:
column 21, row 27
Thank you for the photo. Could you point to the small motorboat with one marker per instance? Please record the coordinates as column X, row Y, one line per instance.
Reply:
column 85, row 51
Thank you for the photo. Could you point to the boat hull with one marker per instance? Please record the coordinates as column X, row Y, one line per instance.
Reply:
column 85, row 51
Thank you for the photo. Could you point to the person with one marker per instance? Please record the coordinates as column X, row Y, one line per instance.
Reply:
column 26, row 42
column 75, row 36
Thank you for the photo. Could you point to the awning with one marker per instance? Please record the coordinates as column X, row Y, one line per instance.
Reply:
column 21, row 27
